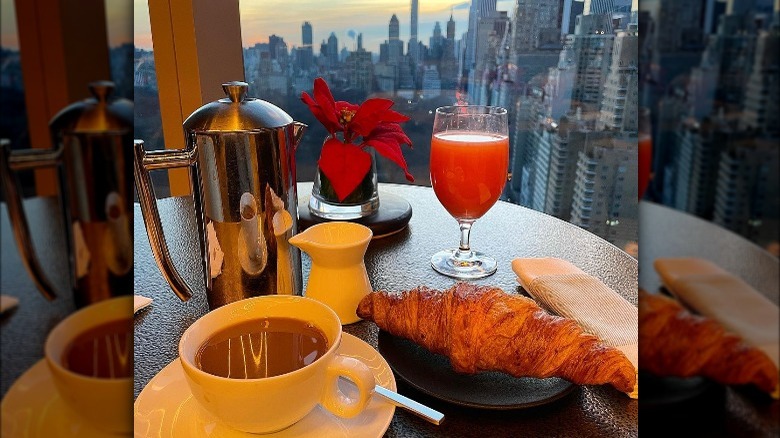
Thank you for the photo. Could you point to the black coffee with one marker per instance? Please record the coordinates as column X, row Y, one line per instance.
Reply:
column 261, row 348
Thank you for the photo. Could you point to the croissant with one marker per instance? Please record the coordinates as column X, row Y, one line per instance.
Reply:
column 485, row 329
column 674, row 342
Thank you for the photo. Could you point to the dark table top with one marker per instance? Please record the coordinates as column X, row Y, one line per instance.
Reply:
column 23, row 330
column 724, row 411
column 666, row 232
column 401, row 262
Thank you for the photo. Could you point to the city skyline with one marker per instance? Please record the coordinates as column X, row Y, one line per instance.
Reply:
column 373, row 18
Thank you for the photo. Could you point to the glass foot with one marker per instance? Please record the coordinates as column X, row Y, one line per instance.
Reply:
column 476, row 265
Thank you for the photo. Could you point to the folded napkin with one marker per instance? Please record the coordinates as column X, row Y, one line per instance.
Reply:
column 139, row 302
column 568, row 291
column 717, row 294
column 8, row 302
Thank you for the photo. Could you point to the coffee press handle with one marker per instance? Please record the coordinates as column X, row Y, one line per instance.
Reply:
column 10, row 163
column 146, row 161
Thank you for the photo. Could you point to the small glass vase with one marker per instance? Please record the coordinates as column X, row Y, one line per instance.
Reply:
column 362, row 202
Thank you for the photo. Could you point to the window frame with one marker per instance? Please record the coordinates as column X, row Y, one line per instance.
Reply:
column 197, row 47
column 54, row 43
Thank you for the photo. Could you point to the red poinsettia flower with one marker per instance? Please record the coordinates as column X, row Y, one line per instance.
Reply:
column 373, row 124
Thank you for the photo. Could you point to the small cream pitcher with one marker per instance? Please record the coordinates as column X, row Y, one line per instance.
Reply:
column 338, row 276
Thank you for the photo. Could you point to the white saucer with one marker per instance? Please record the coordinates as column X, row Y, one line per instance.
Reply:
column 33, row 408
column 165, row 407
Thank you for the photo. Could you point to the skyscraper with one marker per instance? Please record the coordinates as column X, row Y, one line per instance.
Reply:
column 699, row 146
column 605, row 190
column 395, row 47
column 306, row 34
column 591, row 46
column 537, row 26
column 759, row 112
column 333, row 50
column 306, row 53
column 746, row 193
column 478, row 9
column 413, row 49
column 620, row 102
column 393, row 28
column 491, row 31
column 436, row 42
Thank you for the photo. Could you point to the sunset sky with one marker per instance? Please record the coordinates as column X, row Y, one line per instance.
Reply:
column 259, row 19
column 119, row 16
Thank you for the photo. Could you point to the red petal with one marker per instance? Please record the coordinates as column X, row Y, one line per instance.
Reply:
column 318, row 113
column 325, row 100
column 393, row 116
column 391, row 151
column 369, row 115
column 386, row 131
column 345, row 165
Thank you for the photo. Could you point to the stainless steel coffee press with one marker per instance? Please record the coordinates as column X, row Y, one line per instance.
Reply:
column 241, row 155
column 93, row 156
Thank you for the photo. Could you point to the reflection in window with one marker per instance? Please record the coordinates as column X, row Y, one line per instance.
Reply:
column 711, row 71
column 566, row 70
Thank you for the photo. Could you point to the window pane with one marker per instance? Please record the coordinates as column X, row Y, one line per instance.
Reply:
column 711, row 79
column 148, row 124
column 566, row 73
column 13, row 123
column 119, row 16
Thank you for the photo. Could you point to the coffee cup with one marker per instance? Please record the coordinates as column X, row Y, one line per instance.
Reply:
column 104, row 402
column 270, row 404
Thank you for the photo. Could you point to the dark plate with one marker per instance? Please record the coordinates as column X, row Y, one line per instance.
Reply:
column 432, row 374
column 660, row 392
column 392, row 217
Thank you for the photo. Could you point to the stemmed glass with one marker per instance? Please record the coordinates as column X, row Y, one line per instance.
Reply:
column 469, row 163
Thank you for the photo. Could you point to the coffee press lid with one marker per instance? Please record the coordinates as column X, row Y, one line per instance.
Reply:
column 236, row 112
column 101, row 113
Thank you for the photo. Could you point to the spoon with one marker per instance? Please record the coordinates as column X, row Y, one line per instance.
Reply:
column 410, row 405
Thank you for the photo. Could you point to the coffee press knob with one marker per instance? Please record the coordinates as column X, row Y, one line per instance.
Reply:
column 235, row 90
column 101, row 89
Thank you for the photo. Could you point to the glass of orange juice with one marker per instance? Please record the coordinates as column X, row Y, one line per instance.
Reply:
column 469, row 168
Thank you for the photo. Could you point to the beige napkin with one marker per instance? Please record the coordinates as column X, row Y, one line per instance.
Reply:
column 568, row 291
column 8, row 302
column 139, row 302
column 712, row 292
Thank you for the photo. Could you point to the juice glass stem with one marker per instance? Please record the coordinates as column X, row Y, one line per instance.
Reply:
column 464, row 252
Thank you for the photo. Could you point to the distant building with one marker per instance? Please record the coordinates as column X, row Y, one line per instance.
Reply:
column 761, row 110
column 361, row 70
column 305, row 52
column 333, row 50
column 537, row 26
column 431, row 84
column 620, row 102
column 592, row 48
column 746, row 193
column 605, row 190
column 436, row 42
column 414, row 52
column 699, row 147
column 477, row 10
column 395, row 47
